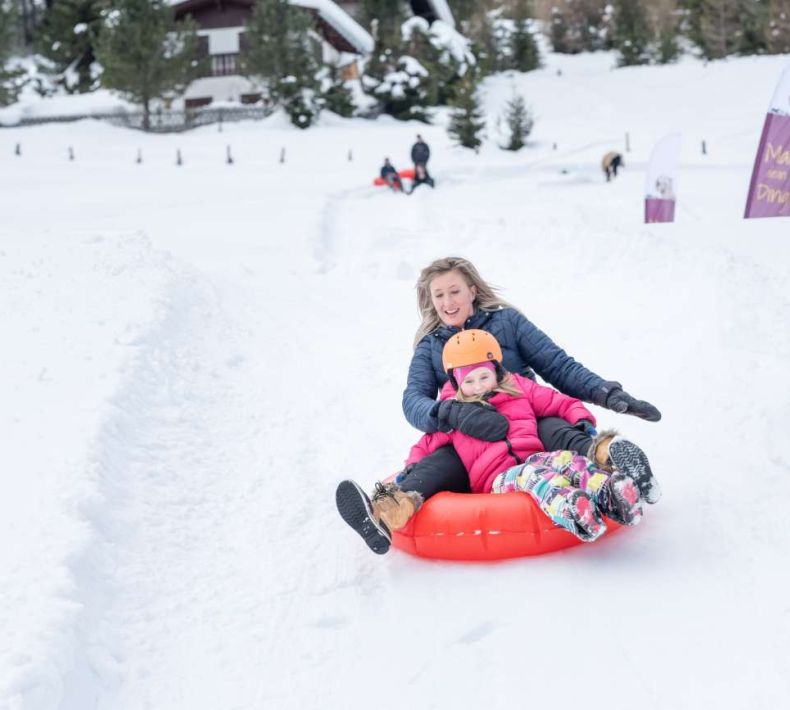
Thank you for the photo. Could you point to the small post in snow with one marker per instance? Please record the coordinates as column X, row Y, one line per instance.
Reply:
column 228, row 156
column 18, row 149
column 139, row 156
column 219, row 123
column 71, row 153
column 179, row 161
column 627, row 142
column 554, row 146
column 704, row 147
column 350, row 156
column 282, row 155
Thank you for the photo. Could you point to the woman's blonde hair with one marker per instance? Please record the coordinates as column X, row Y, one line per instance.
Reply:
column 507, row 385
column 486, row 297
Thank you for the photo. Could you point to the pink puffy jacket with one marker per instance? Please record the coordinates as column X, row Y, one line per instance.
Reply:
column 484, row 460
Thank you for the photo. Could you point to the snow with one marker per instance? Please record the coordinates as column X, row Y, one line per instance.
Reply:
column 192, row 358
column 442, row 10
column 31, row 105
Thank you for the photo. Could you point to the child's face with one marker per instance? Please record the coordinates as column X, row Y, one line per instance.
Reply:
column 478, row 382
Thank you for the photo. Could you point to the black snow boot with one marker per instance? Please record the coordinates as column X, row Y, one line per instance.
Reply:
column 356, row 509
column 627, row 457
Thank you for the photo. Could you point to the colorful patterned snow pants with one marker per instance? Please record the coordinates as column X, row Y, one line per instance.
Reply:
column 550, row 477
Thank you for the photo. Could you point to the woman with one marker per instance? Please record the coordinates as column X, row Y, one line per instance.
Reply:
column 452, row 296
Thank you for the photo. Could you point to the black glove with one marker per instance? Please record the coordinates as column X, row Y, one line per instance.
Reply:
column 473, row 419
column 617, row 400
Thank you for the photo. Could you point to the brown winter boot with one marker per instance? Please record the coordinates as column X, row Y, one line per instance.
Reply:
column 599, row 449
column 393, row 506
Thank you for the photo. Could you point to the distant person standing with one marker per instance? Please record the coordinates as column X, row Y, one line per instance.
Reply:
column 420, row 154
column 611, row 161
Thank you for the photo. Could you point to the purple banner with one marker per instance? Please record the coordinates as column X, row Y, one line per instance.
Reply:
column 657, row 210
column 769, row 191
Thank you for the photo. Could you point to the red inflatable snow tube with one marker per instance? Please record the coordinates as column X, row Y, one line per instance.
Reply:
column 483, row 526
column 408, row 174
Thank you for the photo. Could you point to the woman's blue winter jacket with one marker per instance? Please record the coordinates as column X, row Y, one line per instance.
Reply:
column 525, row 351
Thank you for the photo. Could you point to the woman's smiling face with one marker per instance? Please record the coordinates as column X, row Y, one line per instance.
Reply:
column 452, row 298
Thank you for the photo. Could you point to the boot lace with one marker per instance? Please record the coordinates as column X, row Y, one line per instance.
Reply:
column 384, row 491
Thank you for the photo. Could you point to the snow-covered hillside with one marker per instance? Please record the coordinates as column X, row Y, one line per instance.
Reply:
column 192, row 357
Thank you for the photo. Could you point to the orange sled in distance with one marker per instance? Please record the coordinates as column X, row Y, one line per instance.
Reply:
column 483, row 526
column 408, row 174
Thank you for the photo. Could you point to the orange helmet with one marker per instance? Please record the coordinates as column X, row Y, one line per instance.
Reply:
column 470, row 347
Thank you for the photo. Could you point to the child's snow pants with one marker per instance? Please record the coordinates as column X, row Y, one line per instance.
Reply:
column 550, row 477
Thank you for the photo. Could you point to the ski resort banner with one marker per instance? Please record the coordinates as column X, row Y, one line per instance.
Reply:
column 661, row 180
column 769, row 191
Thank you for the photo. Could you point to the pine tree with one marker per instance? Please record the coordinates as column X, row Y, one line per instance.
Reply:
column 67, row 36
column 664, row 20
column 280, row 52
column 145, row 53
column 8, row 78
column 384, row 18
column 486, row 45
column 519, row 121
column 524, row 54
column 631, row 32
column 336, row 95
column 443, row 69
column 779, row 27
column 724, row 27
column 578, row 26
column 467, row 120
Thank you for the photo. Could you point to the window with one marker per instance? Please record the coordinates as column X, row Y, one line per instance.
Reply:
column 223, row 64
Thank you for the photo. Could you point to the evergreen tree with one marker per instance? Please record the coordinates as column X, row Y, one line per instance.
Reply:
column 755, row 25
column 145, row 53
column 578, row 26
column 67, row 36
column 664, row 20
column 631, row 32
column 8, row 78
column 384, row 18
column 442, row 67
column 559, row 31
column 724, row 27
column 779, row 27
column 336, row 95
column 486, row 43
column 720, row 28
column 399, row 84
column 524, row 54
column 467, row 120
column 280, row 52
column 519, row 121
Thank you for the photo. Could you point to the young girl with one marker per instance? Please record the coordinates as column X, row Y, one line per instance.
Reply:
column 573, row 490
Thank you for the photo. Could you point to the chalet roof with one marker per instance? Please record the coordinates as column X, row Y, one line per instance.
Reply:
column 334, row 23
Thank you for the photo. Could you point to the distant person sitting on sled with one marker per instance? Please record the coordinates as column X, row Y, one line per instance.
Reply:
column 421, row 177
column 572, row 490
column 390, row 175
column 610, row 162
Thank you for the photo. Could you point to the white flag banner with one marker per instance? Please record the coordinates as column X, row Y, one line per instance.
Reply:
column 661, row 179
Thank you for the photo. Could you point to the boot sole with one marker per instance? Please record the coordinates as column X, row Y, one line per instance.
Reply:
column 628, row 458
column 354, row 507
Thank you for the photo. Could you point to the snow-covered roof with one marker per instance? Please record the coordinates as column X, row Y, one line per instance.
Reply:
column 442, row 10
column 341, row 22
column 335, row 20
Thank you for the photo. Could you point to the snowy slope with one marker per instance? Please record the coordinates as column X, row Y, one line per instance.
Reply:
column 193, row 356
